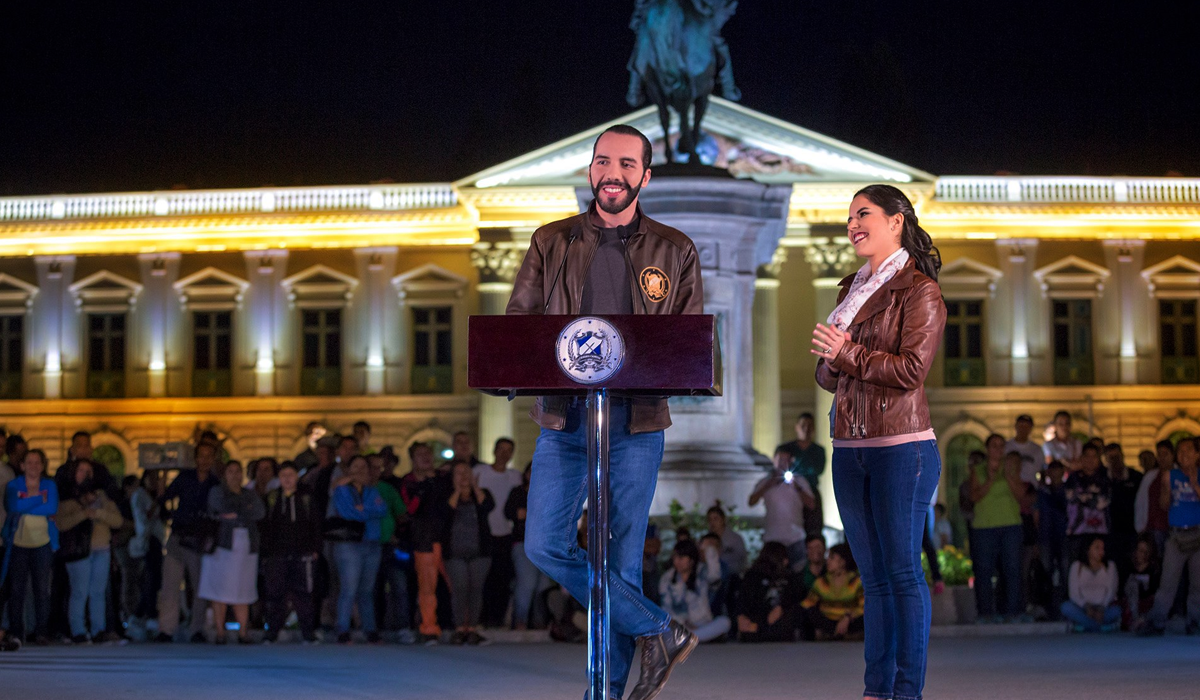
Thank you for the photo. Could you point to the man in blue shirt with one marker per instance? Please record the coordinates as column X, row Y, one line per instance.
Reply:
column 1180, row 496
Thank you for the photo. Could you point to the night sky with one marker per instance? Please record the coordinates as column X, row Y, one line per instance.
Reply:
column 131, row 95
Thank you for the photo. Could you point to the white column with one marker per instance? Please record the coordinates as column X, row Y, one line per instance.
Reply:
column 159, row 272
column 376, row 266
column 765, row 337
column 831, row 259
column 1020, row 254
column 265, row 307
column 53, row 318
column 1125, row 260
column 497, row 264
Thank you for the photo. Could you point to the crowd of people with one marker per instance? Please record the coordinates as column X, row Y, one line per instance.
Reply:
column 1068, row 530
column 333, row 540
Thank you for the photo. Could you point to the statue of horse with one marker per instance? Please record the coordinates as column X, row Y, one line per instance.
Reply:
column 678, row 55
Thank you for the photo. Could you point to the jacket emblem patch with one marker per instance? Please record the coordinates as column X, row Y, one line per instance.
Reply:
column 655, row 284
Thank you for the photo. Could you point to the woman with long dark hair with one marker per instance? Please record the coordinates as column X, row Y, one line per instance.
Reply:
column 874, row 354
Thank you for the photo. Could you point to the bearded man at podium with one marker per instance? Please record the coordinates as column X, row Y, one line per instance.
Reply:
column 611, row 260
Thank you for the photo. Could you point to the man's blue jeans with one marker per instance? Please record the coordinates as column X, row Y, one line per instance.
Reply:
column 883, row 494
column 357, row 567
column 997, row 550
column 557, row 491
column 89, row 589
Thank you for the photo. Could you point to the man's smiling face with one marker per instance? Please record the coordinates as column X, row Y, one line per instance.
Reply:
column 617, row 173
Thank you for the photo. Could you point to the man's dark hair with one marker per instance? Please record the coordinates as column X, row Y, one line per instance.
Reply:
column 1055, row 464
column 1090, row 447
column 347, row 438
column 626, row 130
column 843, row 550
column 1064, row 414
column 1165, row 443
column 362, row 424
column 1113, row 446
column 130, row 480
column 503, row 440
column 287, row 464
column 1025, row 418
column 81, row 433
column 412, row 449
column 995, row 436
column 462, row 432
column 816, row 537
column 977, row 456
column 804, row 415
column 12, row 443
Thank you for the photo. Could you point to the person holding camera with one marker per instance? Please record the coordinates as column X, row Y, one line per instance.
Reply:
column 785, row 498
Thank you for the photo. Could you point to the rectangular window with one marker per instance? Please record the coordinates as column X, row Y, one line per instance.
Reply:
column 212, row 353
column 1178, row 341
column 1072, row 339
column 12, row 355
column 433, row 350
column 962, row 344
column 321, row 370
column 106, row 356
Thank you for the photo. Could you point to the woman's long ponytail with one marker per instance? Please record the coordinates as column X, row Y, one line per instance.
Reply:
column 913, row 238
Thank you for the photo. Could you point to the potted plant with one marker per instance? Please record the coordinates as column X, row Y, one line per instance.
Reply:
column 956, row 604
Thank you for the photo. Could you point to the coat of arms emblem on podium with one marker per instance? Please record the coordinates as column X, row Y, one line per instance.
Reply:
column 590, row 350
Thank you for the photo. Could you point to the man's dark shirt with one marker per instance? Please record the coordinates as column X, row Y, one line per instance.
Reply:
column 606, row 289
column 1124, row 493
column 193, row 499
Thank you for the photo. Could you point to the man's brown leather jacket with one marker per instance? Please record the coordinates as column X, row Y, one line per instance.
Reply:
column 665, row 279
column 878, row 378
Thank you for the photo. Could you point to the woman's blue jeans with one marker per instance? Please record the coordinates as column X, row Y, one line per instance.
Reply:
column 357, row 567
column 883, row 494
column 89, row 589
column 1079, row 616
column 557, row 491
column 530, row 581
column 997, row 550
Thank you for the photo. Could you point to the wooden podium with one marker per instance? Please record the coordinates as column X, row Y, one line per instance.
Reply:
column 659, row 355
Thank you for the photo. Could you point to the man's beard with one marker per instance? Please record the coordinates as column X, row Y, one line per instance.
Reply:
column 622, row 203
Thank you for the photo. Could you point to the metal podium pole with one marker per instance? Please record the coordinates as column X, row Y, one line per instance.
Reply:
column 597, row 524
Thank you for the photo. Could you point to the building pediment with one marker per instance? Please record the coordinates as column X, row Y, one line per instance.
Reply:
column 105, row 292
column 211, row 289
column 16, row 295
column 739, row 139
column 1174, row 278
column 968, row 279
column 1072, row 278
column 319, row 287
column 429, row 281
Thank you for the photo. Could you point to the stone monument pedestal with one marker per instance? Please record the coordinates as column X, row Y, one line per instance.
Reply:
column 736, row 226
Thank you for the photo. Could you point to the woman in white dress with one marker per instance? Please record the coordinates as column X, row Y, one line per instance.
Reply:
column 228, row 576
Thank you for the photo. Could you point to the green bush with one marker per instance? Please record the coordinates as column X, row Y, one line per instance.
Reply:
column 955, row 566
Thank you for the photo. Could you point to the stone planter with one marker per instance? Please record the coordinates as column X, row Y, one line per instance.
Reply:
column 945, row 609
column 964, row 603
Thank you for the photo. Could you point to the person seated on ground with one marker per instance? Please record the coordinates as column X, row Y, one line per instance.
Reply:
column 834, row 606
column 1142, row 584
column 715, row 572
column 815, row 568
column 1092, row 606
column 684, row 593
column 733, row 547
column 769, row 599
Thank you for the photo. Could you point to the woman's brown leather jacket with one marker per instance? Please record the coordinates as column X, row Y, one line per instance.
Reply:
column 878, row 378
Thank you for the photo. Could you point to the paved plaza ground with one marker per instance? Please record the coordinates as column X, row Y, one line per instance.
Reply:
column 970, row 668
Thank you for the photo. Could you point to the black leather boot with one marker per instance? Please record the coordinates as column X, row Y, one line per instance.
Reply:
column 661, row 653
